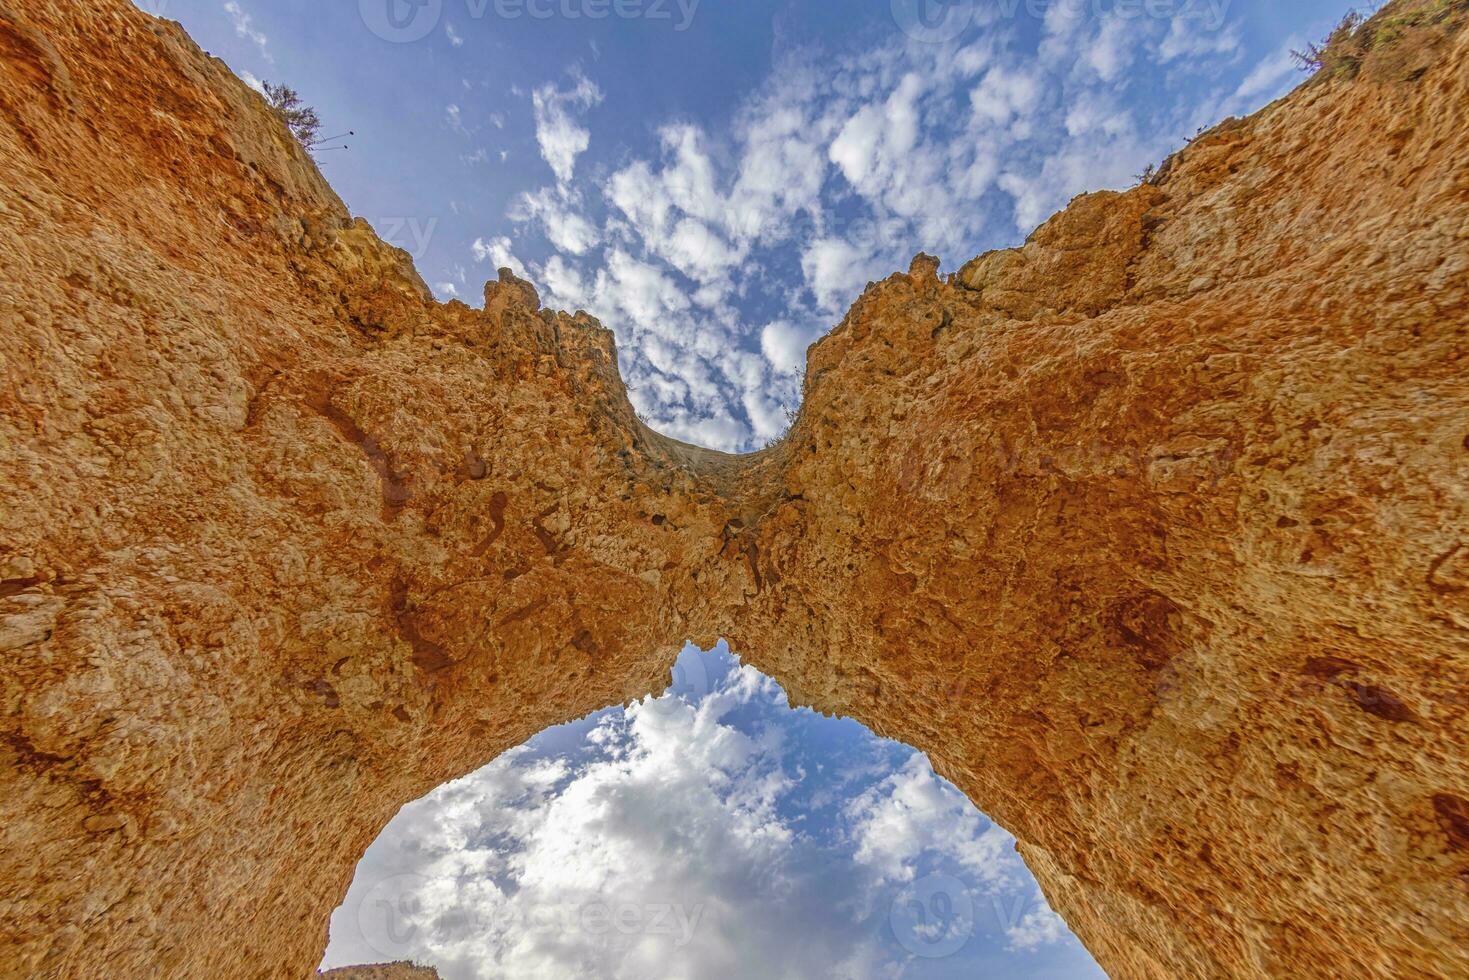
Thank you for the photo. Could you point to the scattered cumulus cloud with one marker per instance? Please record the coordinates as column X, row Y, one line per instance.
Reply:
column 1186, row 38
column 245, row 28
column 251, row 80
column 560, row 136
column 784, row 345
column 710, row 252
column 497, row 253
column 1268, row 76
column 898, row 819
column 1005, row 94
column 1036, row 928
column 700, row 834
column 563, row 222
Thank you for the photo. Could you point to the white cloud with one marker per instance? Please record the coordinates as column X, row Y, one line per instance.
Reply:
column 1189, row 38
column 561, row 138
column 564, row 283
column 671, row 839
column 1038, row 927
column 835, row 270
column 704, row 221
column 1268, row 77
column 663, row 855
column 680, row 368
column 244, row 27
column 1109, row 52
column 676, row 212
column 641, row 291
column 901, row 817
column 836, row 171
column 1064, row 19
column 497, row 252
column 717, row 431
column 784, row 346
column 249, row 79
column 556, row 210
column 781, row 169
column 1004, row 94
column 454, row 36
column 1096, row 113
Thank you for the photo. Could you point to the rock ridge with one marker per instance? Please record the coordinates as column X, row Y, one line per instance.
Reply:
column 1149, row 532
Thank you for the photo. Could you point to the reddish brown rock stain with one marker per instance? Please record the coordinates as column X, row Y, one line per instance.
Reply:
column 1144, row 531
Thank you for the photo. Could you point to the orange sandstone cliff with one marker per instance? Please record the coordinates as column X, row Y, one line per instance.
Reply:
column 1150, row 533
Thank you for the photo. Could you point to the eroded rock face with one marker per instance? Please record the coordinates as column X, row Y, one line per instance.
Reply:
column 382, row 971
column 1150, row 533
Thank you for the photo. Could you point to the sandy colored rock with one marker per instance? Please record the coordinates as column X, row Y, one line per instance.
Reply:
column 1150, row 533
column 381, row 971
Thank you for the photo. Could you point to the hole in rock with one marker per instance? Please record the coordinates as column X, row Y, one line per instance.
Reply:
column 711, row 832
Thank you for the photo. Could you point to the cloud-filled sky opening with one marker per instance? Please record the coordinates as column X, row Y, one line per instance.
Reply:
column 711, row 832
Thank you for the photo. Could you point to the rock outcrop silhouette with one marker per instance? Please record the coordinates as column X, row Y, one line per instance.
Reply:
column 1150, row 533
column 382, row 971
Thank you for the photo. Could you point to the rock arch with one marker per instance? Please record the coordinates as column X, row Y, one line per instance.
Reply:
column 1150, row 532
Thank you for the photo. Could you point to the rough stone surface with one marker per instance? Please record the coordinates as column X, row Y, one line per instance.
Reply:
column 1151, row 533
column 382, row 971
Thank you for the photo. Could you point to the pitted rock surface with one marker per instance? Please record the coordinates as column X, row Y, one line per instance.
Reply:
column 1151, row 532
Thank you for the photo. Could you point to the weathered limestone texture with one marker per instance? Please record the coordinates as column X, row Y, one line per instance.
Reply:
column 382, row 971
column 1151, row 533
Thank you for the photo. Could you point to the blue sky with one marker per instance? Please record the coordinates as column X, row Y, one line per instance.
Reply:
column 717, row 181
column 709, row 833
